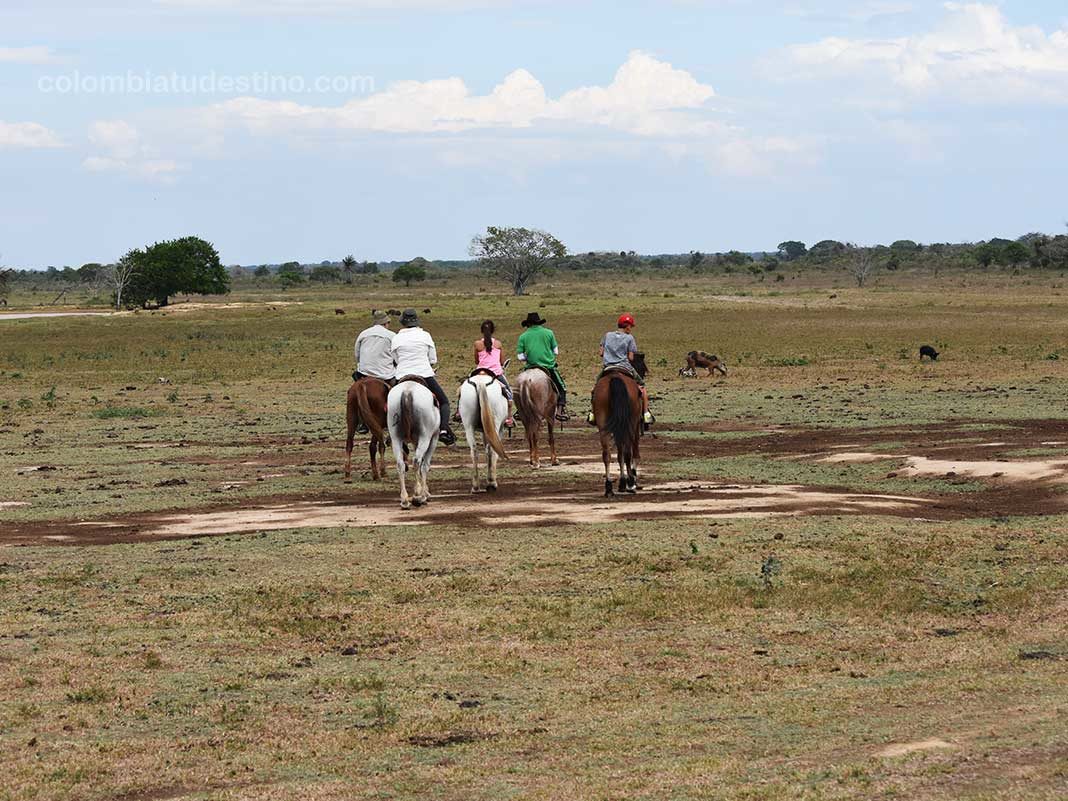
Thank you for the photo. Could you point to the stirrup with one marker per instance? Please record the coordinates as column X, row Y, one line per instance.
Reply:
column 447, row 437
column 361, row 428
column 562, row 416
column 509, row 422
column 648, row 418
column 591, row 420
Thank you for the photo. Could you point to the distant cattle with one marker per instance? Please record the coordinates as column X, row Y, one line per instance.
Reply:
column 393, row 313
column 699, row 360
column 339, row 311
column 929, row 352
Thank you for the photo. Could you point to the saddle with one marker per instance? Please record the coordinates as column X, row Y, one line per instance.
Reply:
column 418, row 379
column 482, row 371
column 389, row 383
column 619, row 368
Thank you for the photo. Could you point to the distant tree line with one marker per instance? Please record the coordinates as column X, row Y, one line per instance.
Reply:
column 154, row 274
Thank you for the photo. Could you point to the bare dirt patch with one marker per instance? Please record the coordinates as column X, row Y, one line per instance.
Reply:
column 901, row 749
column 511, row 507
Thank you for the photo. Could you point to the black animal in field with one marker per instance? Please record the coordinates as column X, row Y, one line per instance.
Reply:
column 698, row 359
column 929, row 352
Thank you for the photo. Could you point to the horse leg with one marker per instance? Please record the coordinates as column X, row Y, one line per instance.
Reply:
column 474, row 458
column 624, row 470
column 531, row 426
column 606, row 456
column 552, row 442
column 398, row 454
column 350, row 415
column 373, row 449
column 381, row 458
column 635, row 460
column 491, row 469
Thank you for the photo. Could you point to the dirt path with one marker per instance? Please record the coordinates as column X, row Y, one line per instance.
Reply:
column 513, row 507
column 1018, row 486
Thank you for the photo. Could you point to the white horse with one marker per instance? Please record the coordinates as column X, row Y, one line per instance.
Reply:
column 414, row 420
column 483, row 407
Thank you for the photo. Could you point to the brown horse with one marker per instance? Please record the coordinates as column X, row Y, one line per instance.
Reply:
column 535, row 397
column 367, row 401
column 617, row 411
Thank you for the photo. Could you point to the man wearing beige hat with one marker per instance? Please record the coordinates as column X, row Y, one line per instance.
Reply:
column 374, row 354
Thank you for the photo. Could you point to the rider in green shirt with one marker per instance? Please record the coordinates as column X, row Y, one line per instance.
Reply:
column 537, row 348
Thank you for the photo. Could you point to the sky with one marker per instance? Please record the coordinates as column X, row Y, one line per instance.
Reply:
column 283, row 130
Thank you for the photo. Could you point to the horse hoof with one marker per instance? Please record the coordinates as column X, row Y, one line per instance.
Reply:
column 491, row 488
column 630, row 490
column 555, row 462
column 406, row 505
column 417, row 501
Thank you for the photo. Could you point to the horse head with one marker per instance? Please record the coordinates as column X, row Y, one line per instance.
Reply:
column 639, row 365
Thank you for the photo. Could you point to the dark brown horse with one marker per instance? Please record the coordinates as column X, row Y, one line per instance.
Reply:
column 367, row 401
column 617, row 411
column 535, row 397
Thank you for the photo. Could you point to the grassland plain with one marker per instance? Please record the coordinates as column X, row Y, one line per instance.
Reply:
column 685, row 657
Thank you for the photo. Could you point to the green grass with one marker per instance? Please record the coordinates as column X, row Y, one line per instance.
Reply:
column 354, row 667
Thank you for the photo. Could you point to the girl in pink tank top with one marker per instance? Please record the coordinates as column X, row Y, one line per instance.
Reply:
column 490, row 356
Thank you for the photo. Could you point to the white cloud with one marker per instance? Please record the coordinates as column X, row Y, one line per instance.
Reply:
column 27, row 135
column 27, row 55
column 974, row 55
column 647, row 97
column 122, row 151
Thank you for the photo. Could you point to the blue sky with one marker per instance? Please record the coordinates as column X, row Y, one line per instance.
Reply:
column 657, row 126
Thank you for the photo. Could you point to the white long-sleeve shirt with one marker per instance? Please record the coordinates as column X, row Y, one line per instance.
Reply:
column 374, row 352
column 414, row 353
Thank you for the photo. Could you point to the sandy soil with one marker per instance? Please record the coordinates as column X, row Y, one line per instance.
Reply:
column 35, row 315
column 901, row 749
column 676, row 499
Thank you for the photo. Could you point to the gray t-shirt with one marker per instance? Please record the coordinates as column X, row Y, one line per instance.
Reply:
column 616, row 346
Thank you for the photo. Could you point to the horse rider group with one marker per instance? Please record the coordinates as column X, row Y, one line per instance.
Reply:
column 410, row 352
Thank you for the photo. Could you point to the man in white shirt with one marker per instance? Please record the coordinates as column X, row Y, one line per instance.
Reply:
column 374, row 350
column 414, row 354
column 374, row 355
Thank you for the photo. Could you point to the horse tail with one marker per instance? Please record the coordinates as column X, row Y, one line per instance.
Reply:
column 489, row 425
column 620, row 422
column 406, row 421
column 369, row 417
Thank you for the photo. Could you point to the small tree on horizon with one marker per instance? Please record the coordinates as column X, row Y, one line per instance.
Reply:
column 517, row 255
column 862, row 264
column 415, row 270
column 121, row 274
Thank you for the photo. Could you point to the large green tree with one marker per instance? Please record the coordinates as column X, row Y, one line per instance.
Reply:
column 517, row 255
column 415, row 270
column 187, row 266
column 792, row 249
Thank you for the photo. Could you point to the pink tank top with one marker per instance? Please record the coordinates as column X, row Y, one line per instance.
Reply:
column 491, row 360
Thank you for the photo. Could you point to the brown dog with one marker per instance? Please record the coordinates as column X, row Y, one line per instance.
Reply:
column 699, row 360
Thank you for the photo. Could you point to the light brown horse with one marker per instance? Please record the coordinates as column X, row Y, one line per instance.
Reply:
column 617, row 411
column 535, row 397
column 367, row 401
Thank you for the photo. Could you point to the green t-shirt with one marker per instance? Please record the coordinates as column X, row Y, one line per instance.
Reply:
column 539, row 345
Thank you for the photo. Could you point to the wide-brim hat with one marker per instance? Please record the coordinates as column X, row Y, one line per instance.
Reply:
column 533, row 319
column 409, row 319
column 379, row 317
